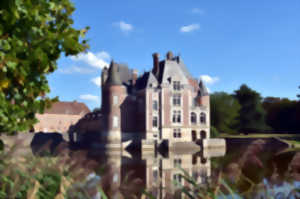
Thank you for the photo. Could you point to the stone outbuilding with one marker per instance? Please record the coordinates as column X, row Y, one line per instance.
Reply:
column 60, row 117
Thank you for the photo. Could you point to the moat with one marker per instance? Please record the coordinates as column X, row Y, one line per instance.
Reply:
column 253, row 168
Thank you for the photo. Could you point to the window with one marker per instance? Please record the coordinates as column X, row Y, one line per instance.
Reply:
column 155, row 105
column 176, row 117
column 176, row 85
column 177, row 177
column 195, row 175
column 176, row 99
column 177, row 133
column 154, row 121
column 177, row 162
column 193, row 118
column 115, row 121
column 194, row 159
column 115, row 100
column 202, row 118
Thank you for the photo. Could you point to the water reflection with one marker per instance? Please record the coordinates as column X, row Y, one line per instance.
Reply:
column 159, row 173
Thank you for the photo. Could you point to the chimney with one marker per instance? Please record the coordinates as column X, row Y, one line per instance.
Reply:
column 155, row 69
column 169, row 55
column 134, row 76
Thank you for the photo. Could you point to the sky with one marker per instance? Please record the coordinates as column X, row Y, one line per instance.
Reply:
column 226, row 43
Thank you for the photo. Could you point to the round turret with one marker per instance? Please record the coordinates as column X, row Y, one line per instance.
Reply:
column 113, row 95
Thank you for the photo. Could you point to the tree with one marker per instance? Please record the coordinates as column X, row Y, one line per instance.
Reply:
column 224, row 112
column 33, row 34
column 298, row 94
column 283, row 115
column 251, row 114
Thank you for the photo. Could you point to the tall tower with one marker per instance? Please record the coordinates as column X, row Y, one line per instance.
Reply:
column 104, row 76
column 113, row 95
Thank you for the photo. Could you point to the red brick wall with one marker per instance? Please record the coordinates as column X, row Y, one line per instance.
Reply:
column 186, row 114
column 55, row 122
column 149, row 110
column 167, row 108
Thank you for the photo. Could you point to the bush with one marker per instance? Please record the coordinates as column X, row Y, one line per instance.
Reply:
column 214, row 132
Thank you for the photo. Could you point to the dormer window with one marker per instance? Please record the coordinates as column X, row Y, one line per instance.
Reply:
column 176, row 85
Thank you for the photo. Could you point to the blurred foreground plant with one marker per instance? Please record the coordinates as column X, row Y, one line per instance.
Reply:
column 33, row 34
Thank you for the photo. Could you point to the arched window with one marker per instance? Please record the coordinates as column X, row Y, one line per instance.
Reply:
column 202, row 118
column 193, row 118
column 202, row 134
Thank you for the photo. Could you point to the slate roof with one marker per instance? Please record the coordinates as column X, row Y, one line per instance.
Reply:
column 113, row 75
column 68, row 108
column 202, row 89
column 167, row 68
column 125, row 73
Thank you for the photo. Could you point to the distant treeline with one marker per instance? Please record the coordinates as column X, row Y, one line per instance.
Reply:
column 245, row 111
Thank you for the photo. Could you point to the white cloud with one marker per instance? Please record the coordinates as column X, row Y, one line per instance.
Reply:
column 209, row 79
column 97, row 60
column 190, row 28
column 89, row 97
column 103, row 55
column 75, row 69
column 124, row 27
column 198, row 11
column 97, row 81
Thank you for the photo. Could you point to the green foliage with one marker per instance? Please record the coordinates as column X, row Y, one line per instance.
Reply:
column 33, row 34
column 50, row 183
column 282, row 114
column 224, row 112
column 251, row 114
column 214, row 133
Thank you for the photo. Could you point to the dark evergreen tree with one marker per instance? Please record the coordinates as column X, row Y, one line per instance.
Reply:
column 251, row 114
column 224, row 112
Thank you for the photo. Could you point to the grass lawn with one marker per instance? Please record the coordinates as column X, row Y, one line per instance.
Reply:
column 293, row 144
column 260, row 135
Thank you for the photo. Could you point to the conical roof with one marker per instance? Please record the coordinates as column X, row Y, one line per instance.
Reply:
column 202, row 89
column 113, row 75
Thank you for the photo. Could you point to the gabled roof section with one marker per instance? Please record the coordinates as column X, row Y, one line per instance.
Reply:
column 172, row 68
column 151, row 80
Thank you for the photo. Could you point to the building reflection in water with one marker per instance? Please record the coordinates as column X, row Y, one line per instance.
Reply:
column 158, row 173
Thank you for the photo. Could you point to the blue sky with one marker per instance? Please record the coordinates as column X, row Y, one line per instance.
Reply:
column 228, row 43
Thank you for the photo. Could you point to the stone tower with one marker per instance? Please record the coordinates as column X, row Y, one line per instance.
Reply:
column 113, row 95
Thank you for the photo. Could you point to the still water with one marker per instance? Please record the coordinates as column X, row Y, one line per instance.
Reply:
column 253, row 169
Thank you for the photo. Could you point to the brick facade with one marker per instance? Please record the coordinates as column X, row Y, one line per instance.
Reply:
column 129, row 100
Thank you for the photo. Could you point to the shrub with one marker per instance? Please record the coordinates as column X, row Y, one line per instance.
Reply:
column 214, row 132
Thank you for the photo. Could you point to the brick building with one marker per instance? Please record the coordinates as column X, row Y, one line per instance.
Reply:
column 166, row 104
column 60, row 116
